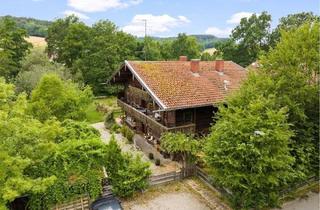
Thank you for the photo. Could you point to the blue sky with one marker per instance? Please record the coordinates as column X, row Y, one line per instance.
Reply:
column 164, row 17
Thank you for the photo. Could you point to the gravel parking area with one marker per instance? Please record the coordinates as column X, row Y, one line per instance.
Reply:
column 174, row 196
column 172, row 201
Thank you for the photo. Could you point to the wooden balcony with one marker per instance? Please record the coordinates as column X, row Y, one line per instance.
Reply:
column 156, row 127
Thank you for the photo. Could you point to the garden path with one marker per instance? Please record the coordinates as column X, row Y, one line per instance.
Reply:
column 166, row 166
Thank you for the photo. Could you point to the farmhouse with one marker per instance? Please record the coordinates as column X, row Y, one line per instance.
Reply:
column 161, row 96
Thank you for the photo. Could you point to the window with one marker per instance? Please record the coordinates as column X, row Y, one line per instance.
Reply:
column 188, row 116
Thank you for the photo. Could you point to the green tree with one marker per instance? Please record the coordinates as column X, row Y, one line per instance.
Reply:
column 185, row 45
column 126, row 173
column 14, row 182
column 182, row 145
column 166, row 50
column 248, row 150
column 78, row 131
column 232, row 51
column 149, row 50
column 54, row 162
column 294, row 67
column 247, row 40
column 51, row 162
column 287, row 80
column 19, row 137
column 34, row 66
column 13, row 47
column 55, row 98
column 104, row 52
column 77, row 164
column 290, row 22
column 66, row 40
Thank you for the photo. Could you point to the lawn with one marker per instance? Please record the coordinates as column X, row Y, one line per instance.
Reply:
column 93, row 116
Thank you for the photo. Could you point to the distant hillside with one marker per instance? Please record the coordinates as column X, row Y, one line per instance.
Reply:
column 206, row 41
column 39, row 28
column 34, row 27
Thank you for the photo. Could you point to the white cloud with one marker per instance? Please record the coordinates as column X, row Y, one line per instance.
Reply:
column 78, row 14
column 100, row 5
column 135, row 2
column 219, row 32
column 235, row 18
column 155, row 24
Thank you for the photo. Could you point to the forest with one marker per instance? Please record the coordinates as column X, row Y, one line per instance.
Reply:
column 265, row 140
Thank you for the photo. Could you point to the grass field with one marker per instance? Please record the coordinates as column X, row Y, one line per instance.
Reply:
column 37, row 42
column 211, row 51
column 93, row 116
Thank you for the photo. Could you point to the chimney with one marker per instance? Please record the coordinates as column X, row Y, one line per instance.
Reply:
column 183, row 58
column 219, row 65
column 195, row 65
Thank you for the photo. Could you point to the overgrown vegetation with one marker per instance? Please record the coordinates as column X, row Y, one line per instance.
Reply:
column 34, row 66
column 181, row 145
column 268, row 136
column 127, row 133
column 54, row 98
column 127, row 173
column 53, row 161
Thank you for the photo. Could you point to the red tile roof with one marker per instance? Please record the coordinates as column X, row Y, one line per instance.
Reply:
column 175, row 86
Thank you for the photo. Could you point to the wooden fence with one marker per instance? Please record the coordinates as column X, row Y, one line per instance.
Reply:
column 81, row 203
column 298, row 185
column 165, row 178
column 191, row 171
column 209, row 181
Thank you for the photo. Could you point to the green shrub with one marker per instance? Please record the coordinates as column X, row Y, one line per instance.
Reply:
column 109, row 120
column 54, row 97
column 115, row 128
column 76, row 130
column 127, row 133
column 151, row 157
column 130, row 135
column 127, row 173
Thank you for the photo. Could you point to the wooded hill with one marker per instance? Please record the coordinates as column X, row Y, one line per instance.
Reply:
column 206, row 41
column 36, row 27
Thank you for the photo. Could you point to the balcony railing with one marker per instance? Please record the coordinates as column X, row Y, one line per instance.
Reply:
column 156, row 127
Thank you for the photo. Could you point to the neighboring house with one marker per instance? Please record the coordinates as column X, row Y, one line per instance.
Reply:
column 161, row 96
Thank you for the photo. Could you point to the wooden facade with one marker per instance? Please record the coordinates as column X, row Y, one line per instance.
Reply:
column 144, row 115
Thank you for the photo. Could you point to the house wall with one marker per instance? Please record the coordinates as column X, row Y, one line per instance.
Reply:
column 204, row 118
column 185, row 116
column 169, row 118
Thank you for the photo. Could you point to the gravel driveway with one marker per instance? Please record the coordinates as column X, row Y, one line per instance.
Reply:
column 173, row 201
